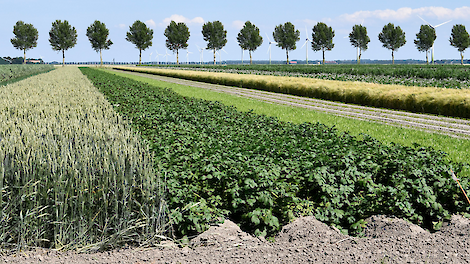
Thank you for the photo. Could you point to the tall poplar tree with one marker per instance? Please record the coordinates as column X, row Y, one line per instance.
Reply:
column 322, row 38
column 26, row 37
column 460, row 39
column 286, row 36
column 177, row 36
column 249, row 38
column 425, row 39
column 97, row 34
column 392, row 38
column 141, row 36
column 359, row 39
column 62, row 37
column 215, row 35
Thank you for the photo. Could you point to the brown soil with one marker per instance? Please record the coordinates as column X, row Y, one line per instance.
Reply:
column 306, row 240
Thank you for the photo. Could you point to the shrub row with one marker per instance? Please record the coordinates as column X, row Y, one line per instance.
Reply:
column 261, row 172
column 448, row 102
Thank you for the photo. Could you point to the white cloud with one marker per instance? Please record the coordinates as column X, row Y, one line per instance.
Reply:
column 122, row 26
column 151, row 23
column 238, row 24
column 180, row 18
column 405, row 13
column 309, row 22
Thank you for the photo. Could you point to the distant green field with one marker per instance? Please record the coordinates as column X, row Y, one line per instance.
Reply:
column 14, row 72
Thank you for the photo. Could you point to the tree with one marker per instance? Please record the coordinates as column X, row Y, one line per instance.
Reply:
column 359, row 39
column 460, row 39
column 26, row 37
column 141, row 36
column 177, row 36
column 425, row 39
column 286, row 36
column 249, row 38
column 97, row 34
column 322, row 38
column 392, row 38
column 215, row 35
column 62, row 37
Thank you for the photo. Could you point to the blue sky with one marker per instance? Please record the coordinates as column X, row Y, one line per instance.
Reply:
column 340, row 15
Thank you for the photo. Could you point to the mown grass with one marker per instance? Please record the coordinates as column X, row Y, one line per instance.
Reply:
column 456, row 148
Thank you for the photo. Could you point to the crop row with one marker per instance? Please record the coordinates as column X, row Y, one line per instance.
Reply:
column 449, row 102
column 11, row 72
column 261, row 172
column 328, row 74
column 72, row 173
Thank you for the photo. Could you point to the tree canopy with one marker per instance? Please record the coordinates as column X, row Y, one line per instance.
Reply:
column 26, row 37
column 62, row 37
column 249, row 38
column 460, row 39
column 392, row 38
column 215, row 35
column 286, row 37
column 97, row 34
column 359, row 39
column 425, row 39
column 141, row 36
column 177, row 36
column 322, row 38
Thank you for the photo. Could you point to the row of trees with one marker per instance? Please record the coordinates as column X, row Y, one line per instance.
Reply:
column 63, row 36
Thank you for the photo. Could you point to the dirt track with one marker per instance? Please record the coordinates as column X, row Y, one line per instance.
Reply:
column 431, row 123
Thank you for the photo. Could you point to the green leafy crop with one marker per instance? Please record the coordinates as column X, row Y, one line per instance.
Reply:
column 261, row 172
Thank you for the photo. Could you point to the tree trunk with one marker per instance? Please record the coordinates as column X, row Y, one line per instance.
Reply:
column 177, row 57
column 323, row 56
column 427, row 61
column 63, row 58
column 461, row 58
column 101, row 59
column 140, row 56
column 251, row 61
column 287, row 54
column 24, row 56
column 214, row 56
column 393, row 58
column 359, row 57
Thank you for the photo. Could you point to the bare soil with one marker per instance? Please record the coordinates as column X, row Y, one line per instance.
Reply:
column 305, row 240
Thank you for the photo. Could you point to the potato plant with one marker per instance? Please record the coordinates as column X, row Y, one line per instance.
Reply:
column 260, row 172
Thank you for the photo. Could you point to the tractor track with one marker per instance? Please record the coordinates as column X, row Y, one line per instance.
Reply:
column 429, row 123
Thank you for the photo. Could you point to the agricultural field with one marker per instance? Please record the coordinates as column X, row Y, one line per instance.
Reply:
column 73, row 174
column 446, row 102
column 442, row 76
column 14, row 72
column 262, row 172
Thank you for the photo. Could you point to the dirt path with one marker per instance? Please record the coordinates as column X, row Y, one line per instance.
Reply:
column 430, row 123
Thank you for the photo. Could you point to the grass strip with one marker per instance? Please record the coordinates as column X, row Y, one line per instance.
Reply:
column 258, row 171
column 448, row 102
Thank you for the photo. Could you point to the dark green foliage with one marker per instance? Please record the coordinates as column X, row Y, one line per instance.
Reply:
column 249, row 38
column 13, row 72
column 322, row 38
column 26, row 37
column 425, row 39
column 286, row 37
column 460, row 39
column 258, row 171
column 141, row 36
column 359, row 39
column 392, row 38
column 97, row 34
column 177, row 36
column 215, row 35
column 62, row 37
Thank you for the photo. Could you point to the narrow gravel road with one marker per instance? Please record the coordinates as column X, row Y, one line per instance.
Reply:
column 430, row 123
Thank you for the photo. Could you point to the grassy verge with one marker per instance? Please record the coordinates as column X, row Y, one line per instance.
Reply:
column 457, row 149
